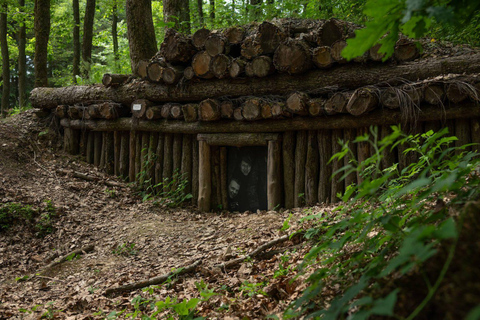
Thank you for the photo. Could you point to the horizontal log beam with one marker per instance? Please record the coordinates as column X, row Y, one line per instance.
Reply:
column 237, row 139
column 348, row 76
column 377, row 117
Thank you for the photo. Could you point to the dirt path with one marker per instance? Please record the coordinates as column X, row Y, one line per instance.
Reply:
column 133, row 240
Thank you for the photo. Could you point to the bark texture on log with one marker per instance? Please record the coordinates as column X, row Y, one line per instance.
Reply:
column 274, row 180
column 204, row 177
column 362, row 101
column 139, row 108
column 209, row 110
column 177, row 47
column 114, row 80
column 288, row 156
column 159, row 159
column 124, row 154
column 297, row 103
column 324, row 139
column 311, row 169
column 293, row 57
column 199, row 37
column 337, row 185
column 300, row 161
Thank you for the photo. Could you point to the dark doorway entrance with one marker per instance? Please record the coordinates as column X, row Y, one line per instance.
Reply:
column 247, row 178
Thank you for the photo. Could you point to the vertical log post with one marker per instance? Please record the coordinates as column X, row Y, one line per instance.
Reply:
column 195, row 171
column 138, row 155
column 70, row 141
column 274, row 175
column 288, row 154
column 177, row 152
column 90, row 149
column 116, row 151
column 311, row 170
column 97, row 145
column 462, row 132
column 186, row 167
column 159, row 158
column 349, row 135
column 216, row 193
column 124, row 154
column 363, row 151
column 337, row 185
column 102, row 151
column 324, row 139
column 223, row 178
column 143, row 174
column 388, row 156
column 152, row 149
column 475, row 131
column 109, row 152
column 132, row 149
column 167, row 160
column 204, row 176
column 300, row 161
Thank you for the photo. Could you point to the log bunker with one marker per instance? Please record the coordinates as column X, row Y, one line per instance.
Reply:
column 260, row 109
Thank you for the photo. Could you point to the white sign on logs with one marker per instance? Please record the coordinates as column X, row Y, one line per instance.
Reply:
column 137, row 107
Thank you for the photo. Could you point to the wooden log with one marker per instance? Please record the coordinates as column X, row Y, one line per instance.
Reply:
column 237, row 139
column 165, row 111
column 131, row 156
column 109, row 153
column 237, row 114
column 414, row 93
column 94, row 111
column 172, row 74
column 463, row 133
column 167, row 160
column 139, row 108
column 392, row 97
column 330, row 32
column 201, row 65
column 219, row 66
column 61, row 111
column 155, row 70
column 209, row 110
column 405, row 50
column 293, row 57
column 336, row 51
column 138, row 155
column 235, row 34
column 177, row 47
column 90, row 147
column 389, row 156
column 195, row 171
column 349, row 136
column 274, row 175
column 322, row 57
column 300, row 162
column 266, row 110
column 189, row 73
column 376, row 117
column 217, row 43
column 176, row 112
column 76, row 112
column 144, row 170
column 226, row 109
column 362, row 101
column 252, row 109
column 337, row 103
column 124, row 154
column 114, row 80
column 71, row 141
column 177, row 155
column 204, row 177
column 103, row 151
column 112, row 110
column 324, row 139
column 250, row 47
column 262, row 66
column 363, row 151
column 375, row 54
column 456, row 92
column 97, row 145
column 347, row 76
column 277, row 109
column 151, row 158
column 82, row 142
column 269, row 36
column 159, row 159
column 337, row 185
column 237, row 67
column 249, row 72
column 154, row 113
column 141, row 69
column 216, row 192
column 475, row 133
column 316, row 107
column 434, row 93
column 199, row 38
column 288, row 157
column 186, row 165
column 190, row 112
column 311, row 169
column 116, row 152
column 223, row 178
column 297, row 103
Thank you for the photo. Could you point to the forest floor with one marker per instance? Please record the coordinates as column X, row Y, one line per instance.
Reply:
column 133, row 240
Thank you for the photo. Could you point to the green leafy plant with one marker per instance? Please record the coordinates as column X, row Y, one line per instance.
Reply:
column 12, row 213
column 251, row 289
column 126, row 249
column 389, row 227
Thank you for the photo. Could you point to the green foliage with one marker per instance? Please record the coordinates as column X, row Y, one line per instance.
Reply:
column 388, row 227
column 126, row 249
column 13, row 213
column 251, row 289
column 414, row 18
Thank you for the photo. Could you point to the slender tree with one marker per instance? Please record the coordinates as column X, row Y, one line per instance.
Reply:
column 212, row 11
column 22, row 61
column 42, row 34
column 114, row 33
column 88, row 37
column 140, row 31
column 200, row 12
column 76, row 40
column 5, row 58
column 178, row 12
column 257, row 8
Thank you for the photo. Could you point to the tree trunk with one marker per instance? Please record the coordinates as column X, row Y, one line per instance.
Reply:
column 140, row 31
column 88, row 37
column 200, row 12
column 42, row 33
column 5, row 60
column 22, row 63
column 116, row 57
column 348, row 76
column 177, row 14
column 76, row 40
column 212, row 11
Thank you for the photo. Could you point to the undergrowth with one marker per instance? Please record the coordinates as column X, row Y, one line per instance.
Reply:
column 389, row 226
